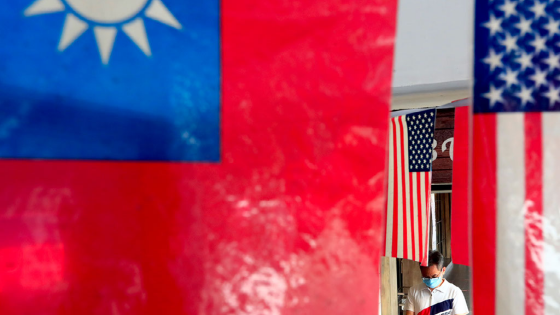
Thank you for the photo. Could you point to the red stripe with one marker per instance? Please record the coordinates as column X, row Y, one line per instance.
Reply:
column 405, row 229
column 410, row 189
column 426, row 241
column 395, row 239
column 419, row 211
column 484, row 207
column 534, row 273
column 459, row 199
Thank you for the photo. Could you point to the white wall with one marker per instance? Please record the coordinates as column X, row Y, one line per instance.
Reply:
column 434, row 42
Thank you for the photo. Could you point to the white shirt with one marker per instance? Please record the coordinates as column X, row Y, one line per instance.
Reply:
column 445, row 300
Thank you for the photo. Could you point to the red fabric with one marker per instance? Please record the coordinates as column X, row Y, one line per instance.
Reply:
column 395, row 233
column 290, row 219
column 534, row 238
column 427, row 184
column 412, row 232
column 460, row 198
column 422, row 244
column 484, row 205
column 403, row 199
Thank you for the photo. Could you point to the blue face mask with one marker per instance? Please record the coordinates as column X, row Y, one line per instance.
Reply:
column 432, row 282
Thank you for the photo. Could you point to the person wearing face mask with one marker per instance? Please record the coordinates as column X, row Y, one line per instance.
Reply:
column 435, row 295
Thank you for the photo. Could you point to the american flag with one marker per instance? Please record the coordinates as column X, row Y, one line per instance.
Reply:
column 411, row 139
column 516, row 170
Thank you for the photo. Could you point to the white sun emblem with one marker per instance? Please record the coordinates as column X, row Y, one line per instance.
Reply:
column 106, row 16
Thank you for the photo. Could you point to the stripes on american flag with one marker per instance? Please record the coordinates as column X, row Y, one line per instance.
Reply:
column 516, row 150
column 516, row 211
column 411, row 138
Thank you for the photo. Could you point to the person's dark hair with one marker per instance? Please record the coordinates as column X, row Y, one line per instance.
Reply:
column 435, row 258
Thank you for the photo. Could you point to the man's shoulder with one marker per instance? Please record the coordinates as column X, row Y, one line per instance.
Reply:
column 417, row 288
column 453, row 289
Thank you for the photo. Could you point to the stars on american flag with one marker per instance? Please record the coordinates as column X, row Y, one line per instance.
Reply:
column 523, row 25
column 510, row 77
column 552, row 27
column 508, row 8
column 493, row 60
column 420, row 128
column 538, row 9
column 539, row 77
column 510, row 42
column 494, row 25
column 521, row 56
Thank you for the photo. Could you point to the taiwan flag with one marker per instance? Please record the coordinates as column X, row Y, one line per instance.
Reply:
column 193, row 157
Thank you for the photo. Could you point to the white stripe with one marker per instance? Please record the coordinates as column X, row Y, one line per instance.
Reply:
column 431, row 209
column 399, row 191
column 390, row 184
column 432, row 223
column 510, row 232
column 430, row 205
column 423, row 206
column 551, row 215
column 407, row 194
column 418, row 236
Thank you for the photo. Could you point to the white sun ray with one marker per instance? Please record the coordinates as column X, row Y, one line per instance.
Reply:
column 73, row 28
column 43, row 7
column 137, row 32
column 109, row 14
column 105, row 37
column 159, row 12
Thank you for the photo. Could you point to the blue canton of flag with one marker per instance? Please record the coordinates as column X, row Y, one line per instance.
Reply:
column 105, row 79
column 517, row 56
column 420, row 137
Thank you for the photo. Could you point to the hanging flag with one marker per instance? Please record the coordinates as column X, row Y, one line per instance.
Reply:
column 274, row 114
column 516, row 171
column 460, row 199
column 411, row 140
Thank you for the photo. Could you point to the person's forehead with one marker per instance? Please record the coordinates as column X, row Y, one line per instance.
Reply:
column 430, row 270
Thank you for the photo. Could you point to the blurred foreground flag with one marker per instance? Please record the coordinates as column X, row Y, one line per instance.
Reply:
column 289, row 100
column 516, row 145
